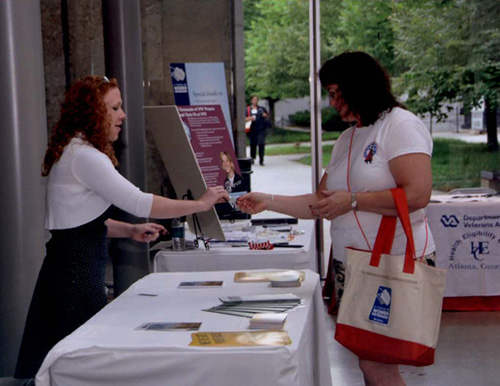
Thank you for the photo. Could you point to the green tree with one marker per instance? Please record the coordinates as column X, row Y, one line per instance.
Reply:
column 440, row 51
column 277, row 46
column 366, row 26
column 483, row 68
column 450, row 50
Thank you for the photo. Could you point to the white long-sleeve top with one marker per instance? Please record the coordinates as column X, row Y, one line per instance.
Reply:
column 84, row 183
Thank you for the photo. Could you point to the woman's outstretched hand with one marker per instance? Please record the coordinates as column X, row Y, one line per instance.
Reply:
column 253, row 203
column 147, row 232
column 332, row 205
column 214, row 195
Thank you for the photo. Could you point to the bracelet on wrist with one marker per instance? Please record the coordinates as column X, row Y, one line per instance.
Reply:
column 272, row 200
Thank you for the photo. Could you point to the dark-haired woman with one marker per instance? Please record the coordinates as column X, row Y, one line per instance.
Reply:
column 386, row 146
column 82, row 187
column 259, row 118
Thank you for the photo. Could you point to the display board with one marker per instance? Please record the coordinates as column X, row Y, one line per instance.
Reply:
column 215, row 154
column 171, row 137
column 196, row 84
column 209, row 138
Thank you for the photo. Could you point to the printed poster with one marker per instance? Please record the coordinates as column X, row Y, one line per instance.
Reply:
column 201, row 84
column 207, row 131
column 467, row 238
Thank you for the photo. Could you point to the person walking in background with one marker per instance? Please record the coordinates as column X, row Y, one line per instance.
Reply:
column 386, row 147
column 82, row 188
column 259, row 118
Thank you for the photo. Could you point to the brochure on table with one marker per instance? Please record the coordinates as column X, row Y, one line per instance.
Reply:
column 240, row 338
column 180, row 162
column 248, row 306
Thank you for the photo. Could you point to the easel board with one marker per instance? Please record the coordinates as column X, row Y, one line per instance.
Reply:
column 180, row 163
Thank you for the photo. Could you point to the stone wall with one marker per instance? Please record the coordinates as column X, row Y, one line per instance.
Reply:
column 72, row 47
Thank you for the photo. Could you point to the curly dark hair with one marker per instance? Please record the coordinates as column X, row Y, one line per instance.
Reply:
column 83, row 113
column 363, row 83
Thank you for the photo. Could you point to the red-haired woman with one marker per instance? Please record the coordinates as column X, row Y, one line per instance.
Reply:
column 82, row 187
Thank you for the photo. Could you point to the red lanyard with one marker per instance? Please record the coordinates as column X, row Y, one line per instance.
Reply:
column 349, row 187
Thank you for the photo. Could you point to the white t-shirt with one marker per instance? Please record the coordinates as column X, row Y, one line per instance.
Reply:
column 396, row 133
column 84, row 183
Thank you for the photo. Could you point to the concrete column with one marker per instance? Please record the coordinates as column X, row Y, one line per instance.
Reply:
column 23, row 141
column 123, row 60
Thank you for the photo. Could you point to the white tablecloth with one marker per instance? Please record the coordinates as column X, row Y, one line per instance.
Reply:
column 467, row 237
column 107, row 351
column 242, row 258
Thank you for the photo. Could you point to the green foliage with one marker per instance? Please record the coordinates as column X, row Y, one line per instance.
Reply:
column 366, row 26
column 271, row 57
column 277, row 46
column 301, row 118
column 280, row 135
column 330, row 119
column 431, row 42
column 438, row 51
column 451, row 50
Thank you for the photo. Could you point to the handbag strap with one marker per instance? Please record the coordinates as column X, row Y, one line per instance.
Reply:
column 387, row 229
column 385, row 237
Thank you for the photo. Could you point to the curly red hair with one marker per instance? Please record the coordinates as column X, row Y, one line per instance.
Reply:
column 84, row 114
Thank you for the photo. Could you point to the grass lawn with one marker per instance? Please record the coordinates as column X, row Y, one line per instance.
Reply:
column 279, row 135
column 455, row 164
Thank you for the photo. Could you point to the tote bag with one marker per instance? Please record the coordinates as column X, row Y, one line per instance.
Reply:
column 248, row 124
column 391, row 305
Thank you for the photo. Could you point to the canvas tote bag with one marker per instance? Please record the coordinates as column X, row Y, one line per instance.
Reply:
column 391, row 306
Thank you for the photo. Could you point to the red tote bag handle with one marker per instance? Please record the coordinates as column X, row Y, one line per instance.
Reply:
column 387, row 230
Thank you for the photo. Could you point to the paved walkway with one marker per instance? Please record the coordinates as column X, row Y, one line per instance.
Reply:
column 471, row 136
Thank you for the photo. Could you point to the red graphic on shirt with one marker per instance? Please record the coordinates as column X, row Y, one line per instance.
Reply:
column 370, row 152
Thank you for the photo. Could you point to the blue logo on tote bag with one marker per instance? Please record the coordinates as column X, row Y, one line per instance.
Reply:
column 382, row 306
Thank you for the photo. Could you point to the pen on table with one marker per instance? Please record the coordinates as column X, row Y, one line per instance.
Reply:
column 286, row 245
